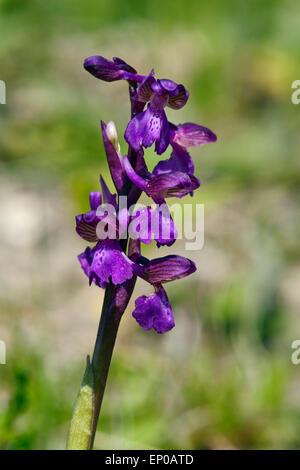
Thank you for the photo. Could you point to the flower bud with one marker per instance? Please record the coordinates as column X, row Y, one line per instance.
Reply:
column 112, row 135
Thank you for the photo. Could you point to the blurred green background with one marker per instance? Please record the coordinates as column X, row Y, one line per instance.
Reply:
column 223, row 378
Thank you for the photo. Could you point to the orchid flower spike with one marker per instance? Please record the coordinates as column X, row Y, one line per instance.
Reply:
column 109, row 262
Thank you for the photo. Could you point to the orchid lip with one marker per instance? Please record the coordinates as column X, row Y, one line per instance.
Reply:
column 154, row 311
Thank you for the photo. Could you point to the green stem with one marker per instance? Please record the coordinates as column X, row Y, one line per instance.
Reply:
column 88, row 405
column 106, row 337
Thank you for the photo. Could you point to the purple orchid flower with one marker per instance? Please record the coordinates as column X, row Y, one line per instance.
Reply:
column 163, row 184
column 154, row 311
column 152, row 125
column 106, row 262
column 183, row 136
column 147, row 224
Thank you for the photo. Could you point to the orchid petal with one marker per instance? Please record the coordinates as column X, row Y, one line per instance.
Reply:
column 154, row 312
column 106, row 262
column 144, row 91
column 193, row 135
column 172, row 184
column 145, row 128
column 110, row 71
column 168, row 268
column 163, row 140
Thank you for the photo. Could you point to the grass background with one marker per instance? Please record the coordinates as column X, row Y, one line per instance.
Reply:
column 223, row 377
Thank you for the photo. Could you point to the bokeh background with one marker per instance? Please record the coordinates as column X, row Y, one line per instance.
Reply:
column 223, row 378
